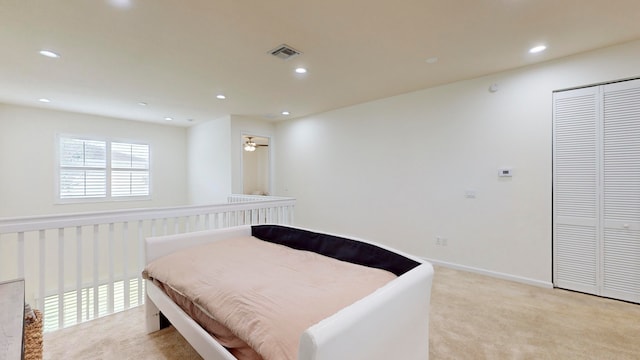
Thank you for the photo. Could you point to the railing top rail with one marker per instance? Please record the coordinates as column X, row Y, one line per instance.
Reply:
column 56, row 221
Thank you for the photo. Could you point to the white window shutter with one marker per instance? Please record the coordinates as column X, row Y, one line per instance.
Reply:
column 86, row 172
column 82, row 172
column 129, row 170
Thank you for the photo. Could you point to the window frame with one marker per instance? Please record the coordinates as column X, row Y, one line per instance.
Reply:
column 108, row 171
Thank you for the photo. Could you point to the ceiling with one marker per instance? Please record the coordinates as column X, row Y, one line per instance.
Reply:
column 176, row 56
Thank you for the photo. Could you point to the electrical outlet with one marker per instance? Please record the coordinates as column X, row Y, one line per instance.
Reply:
column 438, row 241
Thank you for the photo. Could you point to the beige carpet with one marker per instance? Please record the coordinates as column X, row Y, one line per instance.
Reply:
column 478, row 317
column 472, row 317
column 116, row 337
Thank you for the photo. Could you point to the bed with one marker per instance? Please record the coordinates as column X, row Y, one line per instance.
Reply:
column 392, row 321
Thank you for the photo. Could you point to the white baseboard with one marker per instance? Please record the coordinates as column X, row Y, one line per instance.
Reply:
column 495, row 274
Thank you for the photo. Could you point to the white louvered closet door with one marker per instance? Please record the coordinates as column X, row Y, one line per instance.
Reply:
column 576, row 182
column 621, row 191
column 597, row 190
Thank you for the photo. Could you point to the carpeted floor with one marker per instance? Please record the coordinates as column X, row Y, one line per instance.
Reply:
column 120, row 336
column 478, row 317
column 472, row 317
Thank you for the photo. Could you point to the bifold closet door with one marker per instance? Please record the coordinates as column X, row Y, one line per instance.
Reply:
column 621, row 191
column 596, row 190
column 575, row 187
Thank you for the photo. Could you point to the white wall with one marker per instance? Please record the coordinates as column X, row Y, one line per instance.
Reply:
column 215, row 156
column 396, row 170
column 243, row 125
column 209, row 159
column 28, row 159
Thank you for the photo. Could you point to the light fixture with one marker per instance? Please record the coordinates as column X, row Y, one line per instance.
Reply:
column 168, row 118
column 285, row 113
column 49, row 53
column 44, row 100
column 537, row 49
column 301, row 70
column 123, row 4
column 142, row 103
column 221, row 96
column 249, row 145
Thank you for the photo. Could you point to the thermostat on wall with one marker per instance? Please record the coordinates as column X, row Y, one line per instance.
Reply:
column 505, row 172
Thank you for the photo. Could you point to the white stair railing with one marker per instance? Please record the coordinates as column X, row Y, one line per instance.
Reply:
column 81, row 266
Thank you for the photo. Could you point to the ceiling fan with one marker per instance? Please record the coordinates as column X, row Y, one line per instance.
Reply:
column 251, row 145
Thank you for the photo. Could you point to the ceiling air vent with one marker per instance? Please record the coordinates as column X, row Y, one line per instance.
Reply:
column 284, row 52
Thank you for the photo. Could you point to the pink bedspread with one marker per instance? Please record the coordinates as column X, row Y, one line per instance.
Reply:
column 263, row 293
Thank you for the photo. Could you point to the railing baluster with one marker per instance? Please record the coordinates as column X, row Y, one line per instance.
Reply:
column 87, row 305
column 140, row 260
column 125, row 265
column 111, row 274
column 78, row 274
column 21, row 255
column 61, row 277
column 96, row 270
column 41, row 270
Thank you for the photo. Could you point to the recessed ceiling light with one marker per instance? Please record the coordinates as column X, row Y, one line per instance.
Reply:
column 432, row 60
column 537, row 49
column 142, row 103
column 121, row 3
column 49, row 53
column 285, row 113
column 168, row 118
column 301, row 70
column 44, row 100
column 221, row 97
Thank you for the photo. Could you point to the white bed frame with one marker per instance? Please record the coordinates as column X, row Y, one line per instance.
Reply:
column 391, row 323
